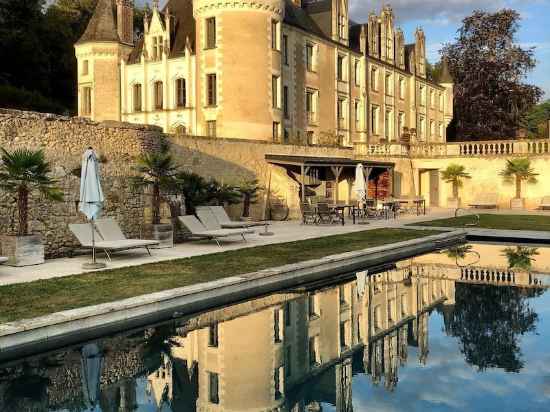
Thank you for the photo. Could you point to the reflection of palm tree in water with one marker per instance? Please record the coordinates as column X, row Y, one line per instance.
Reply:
column 520, row 257
column 459, row 253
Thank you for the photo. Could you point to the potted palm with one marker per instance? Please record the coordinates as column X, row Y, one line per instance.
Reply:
column 157, row 175
column 25, row 172
column 518, row 171
column 455, row 174
column 249, row 190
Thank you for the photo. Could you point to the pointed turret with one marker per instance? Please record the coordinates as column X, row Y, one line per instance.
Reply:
column 102, row 25
column 445, row 77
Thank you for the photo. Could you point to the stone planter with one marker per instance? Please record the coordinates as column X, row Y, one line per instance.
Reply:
column 163, row 233
column 23, row 250
column 453, row 203
column 517, row 204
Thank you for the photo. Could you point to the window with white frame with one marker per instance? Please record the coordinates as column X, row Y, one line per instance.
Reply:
column 311, row 105
column 181, row 93
column 357, row 112
column 401, row 87
column 422, row 95
column 341, row 68
column 211, row 128
column 210, row 40
column 374, row 115
column 374, row 79
column 341, row 109
column 310, row 57
column 136, row 97
column 158, row 94
column 85, row 67
column 400, row 123
column 211, row 90
column 276, row 131
column 275, row 35
column 389, row 84
column 389, row 124
column 86, row 101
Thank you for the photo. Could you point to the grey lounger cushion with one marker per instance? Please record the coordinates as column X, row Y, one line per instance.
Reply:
column 83, row 233
column 197, row 228
column 210, row 222
column 225, row 222
column 3, row 259
column 110, row 231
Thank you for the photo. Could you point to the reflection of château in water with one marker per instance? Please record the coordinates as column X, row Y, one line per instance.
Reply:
column 292, row 351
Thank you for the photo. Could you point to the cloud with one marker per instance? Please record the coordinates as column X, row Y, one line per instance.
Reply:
column 433, row 11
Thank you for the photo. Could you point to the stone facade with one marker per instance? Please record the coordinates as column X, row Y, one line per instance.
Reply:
column 64, row 140
column 273, row 70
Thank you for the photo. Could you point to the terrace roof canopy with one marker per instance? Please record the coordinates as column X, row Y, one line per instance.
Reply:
column 335, row 164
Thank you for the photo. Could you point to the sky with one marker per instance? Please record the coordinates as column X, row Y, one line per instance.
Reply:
column 441, row 20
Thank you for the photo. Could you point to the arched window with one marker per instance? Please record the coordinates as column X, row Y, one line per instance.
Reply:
column 181, row 93
column 158, row 95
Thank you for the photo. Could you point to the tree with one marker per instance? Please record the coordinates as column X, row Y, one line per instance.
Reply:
column 520, row 257
column 536, row 121
column 249, row 190
column 194, row 189
column 433, row 71
column 158, row 174
column 455, row 174
column 519, row 170
column 488, row 69
column 24, row 172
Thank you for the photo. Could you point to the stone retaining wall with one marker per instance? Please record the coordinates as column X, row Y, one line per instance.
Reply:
column 63, row 140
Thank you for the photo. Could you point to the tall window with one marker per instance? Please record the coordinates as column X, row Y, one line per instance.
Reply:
column 85, row 67
column 213, row 335
column 422, row 128
column 278, row 382
column 285, row 102
column 276, row 131
column 86, row 103
column 275, row 91
column 389, row 84
column 211, row 128
column 181, row 93
column 341, row 113
column 432, row 98
column 357, row 70
column 312, row 305
column 374, row 119
column 275, row 35
column 389, row 125
column 157, row 47
column 309, row 57
column 158, row 95
column 344, row 335
column 137, row 97
column 313, row 351
column 401, row 88
column 432, row 128
column 211, row 33
column 357, row 110
column 277, row 326
column 422, row 95
column 400, row 123
column 288, row 314
column 285, row 49
column 212, row 98
column 311, row 105
column 374, row 79
column 340, row 68
column 213, row 388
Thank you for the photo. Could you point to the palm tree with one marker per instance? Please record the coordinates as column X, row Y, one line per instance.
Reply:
column 249, row 190
column 158, row 173
column 519, row 170
column 23, row 172
column 455, row 174
column 521, row 257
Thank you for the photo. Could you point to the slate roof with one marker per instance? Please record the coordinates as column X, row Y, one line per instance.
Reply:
column 102, row 24
column 445, row 73
column 298, row 17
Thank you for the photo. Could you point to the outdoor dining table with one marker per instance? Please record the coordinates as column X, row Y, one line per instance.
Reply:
column 341, row 208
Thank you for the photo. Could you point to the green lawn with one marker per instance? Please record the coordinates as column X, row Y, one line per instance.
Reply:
column 494, row 221
column 28, row 300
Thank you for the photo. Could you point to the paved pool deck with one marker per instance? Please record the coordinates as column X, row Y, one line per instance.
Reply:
column 283, row 232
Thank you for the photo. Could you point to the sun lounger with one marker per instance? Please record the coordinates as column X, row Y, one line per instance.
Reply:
column 3, row 259
column 83, row 233
column 225, row 221
column 545, row 203
column 110, row 230
column 197, row 229
column 485, row 201
column 207, row 218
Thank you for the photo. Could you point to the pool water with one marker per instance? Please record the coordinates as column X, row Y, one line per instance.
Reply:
column 460, row 330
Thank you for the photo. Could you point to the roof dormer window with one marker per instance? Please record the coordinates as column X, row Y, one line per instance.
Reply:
column 157, row 47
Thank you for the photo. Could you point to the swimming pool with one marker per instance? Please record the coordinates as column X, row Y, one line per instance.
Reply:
column 462, row 329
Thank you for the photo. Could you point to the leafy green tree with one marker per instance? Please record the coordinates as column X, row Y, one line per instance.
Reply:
column 24, row 172
column 455, row 174
column 489, row 70
column 194, row 189
column 433, row 71
column 536, row 121
column 157, row 173
column 222, row 193
column 518, row 171
column 488, row 322
column 520, row 257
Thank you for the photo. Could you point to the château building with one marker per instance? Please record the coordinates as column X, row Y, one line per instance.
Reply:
column 290, row 71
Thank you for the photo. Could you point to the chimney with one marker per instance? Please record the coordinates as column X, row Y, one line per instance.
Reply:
column 125, row 21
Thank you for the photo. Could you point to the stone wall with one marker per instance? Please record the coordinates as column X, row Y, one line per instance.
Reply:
column 232, row 161
column 64, row 140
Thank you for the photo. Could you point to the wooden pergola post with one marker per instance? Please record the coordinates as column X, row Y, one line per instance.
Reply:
column 337, row 171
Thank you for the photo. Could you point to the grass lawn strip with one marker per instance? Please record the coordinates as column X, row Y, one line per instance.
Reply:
column 490, row 221
column 29, row 300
